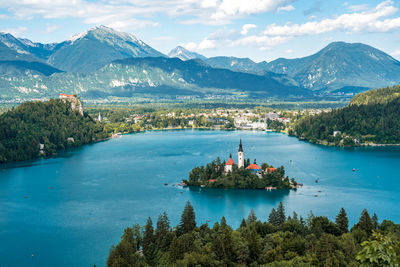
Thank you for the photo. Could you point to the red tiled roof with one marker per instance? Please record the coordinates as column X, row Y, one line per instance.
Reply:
column 271, row 169
column 66, row 95
column 212, row 180
column 230, row 162
column 253, row 167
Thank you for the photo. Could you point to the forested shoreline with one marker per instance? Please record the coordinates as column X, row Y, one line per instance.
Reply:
column 371, row 118
column 280, row 241
column 35, row 129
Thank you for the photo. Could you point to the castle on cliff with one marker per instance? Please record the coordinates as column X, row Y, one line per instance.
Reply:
column 76, row 104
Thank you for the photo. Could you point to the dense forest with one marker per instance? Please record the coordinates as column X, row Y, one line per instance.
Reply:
column 378, row 96
column 213, row 175
column 363, row 121
column 281, row 241
column 53, row 124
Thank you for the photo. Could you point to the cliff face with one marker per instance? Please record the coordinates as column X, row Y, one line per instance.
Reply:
column 76, row 103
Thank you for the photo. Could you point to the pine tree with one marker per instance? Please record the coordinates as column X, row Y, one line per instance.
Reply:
column 251, row 218
column 148, row 242
column 295, row 217
column 243, row 223
column 375, row 221
column 162, row 231
column 273, row 217
column 281, row 213
column 188, row 220
column 365, row 222
column 137, row 235
column 222, row 245
column 342, row 221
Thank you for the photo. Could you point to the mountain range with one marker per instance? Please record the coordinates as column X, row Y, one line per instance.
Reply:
column 102, row 61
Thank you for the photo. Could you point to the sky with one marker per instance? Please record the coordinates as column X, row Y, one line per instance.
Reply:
column 258, row 29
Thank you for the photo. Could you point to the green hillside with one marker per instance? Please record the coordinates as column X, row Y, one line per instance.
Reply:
column 153, row 75
column 378, row 96
column 50, row 123
column 372, row 117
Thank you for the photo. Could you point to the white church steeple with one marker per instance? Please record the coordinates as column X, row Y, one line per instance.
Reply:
column 240, row 155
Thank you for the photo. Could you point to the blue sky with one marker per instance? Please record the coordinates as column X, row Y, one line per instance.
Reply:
column 258, row 29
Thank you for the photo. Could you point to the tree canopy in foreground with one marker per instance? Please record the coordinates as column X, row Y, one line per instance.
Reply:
column 283, row 240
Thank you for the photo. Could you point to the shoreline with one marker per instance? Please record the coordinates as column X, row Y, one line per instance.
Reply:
column 358, row 145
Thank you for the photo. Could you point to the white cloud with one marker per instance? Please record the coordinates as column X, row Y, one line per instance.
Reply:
column 356, row 8
column 232, row 8
column 247, row 27
column 286, row 8
column 138, row 13
column 191, row 46
column 289, row 51
column 396, row 54
column 377, row 19
column 19, row 31
column 368, row 21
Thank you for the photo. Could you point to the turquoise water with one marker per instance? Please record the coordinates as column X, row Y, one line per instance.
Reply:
column 69, row 210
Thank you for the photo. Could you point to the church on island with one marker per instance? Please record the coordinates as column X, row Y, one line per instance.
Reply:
column 253, row 167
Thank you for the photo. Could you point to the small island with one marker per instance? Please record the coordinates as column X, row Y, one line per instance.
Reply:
column 244, row 175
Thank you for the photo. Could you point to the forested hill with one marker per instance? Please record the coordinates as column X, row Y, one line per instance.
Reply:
column 378, row 96
column 372, row 117
column 52, row 123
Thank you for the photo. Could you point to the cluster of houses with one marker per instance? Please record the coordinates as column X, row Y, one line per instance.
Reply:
column 251, row 121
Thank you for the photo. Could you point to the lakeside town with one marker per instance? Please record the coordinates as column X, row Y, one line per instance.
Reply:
column 123, row 120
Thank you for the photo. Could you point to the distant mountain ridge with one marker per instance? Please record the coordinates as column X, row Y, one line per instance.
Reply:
column 154, row 76
column 184, row 54
column 339, row 65
column 339, row 69
column 237, row 64
column 91, row 50
column 84, row 52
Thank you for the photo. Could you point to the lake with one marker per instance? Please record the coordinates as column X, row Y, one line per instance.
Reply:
column 69, row 210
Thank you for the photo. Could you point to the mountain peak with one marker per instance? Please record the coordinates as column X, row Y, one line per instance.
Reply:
column 184, row 54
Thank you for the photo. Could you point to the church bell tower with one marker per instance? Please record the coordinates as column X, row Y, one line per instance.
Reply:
column 240, row 155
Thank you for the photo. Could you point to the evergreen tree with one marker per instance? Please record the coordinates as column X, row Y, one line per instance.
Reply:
column 273, row 217
column 365, row 222
column 222, row 244
column 342, row 221
column 375, row 221
column 295, row 217
column 188, row 219
column 281, row 213
column 149, row 248
column 243, row 223
column 162, row 231
column 137, row 235
column 251, row 218
column 254, row 242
